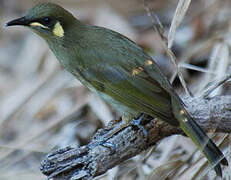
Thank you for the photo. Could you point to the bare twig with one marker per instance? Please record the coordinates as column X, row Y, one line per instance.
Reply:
column 180, row 12
column 216, row 85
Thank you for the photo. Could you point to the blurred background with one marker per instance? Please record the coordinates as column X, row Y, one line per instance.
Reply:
column 42, row 107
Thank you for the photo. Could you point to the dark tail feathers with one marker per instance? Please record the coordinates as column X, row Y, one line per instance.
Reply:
column 199, row 137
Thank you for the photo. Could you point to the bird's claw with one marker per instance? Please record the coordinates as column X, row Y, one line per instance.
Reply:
column 137, row 122
column 109, row 145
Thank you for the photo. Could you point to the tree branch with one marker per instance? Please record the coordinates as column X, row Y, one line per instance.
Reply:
column 95, row 158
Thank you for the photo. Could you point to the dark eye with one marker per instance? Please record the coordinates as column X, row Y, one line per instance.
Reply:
column 46, row 20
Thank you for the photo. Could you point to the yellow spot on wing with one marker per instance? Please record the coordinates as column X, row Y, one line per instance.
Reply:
column 148, row 62
column 38, row 24
column 185, row 119
column 137, row 71
column 181, row 112
column 58, row 30
column 134, row 72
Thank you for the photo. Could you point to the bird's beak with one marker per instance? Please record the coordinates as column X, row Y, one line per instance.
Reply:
column 20, row 21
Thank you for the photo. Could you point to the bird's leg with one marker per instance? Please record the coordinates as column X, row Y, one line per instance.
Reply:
column 128, row 120
column 138, row 122
column 125, row 123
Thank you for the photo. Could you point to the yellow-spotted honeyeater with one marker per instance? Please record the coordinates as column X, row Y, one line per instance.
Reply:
column 117, row 69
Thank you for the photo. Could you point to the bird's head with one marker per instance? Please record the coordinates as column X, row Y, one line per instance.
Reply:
column 47, row 19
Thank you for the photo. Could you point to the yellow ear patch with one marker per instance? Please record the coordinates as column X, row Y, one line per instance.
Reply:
column 38, row 24
column 58, row 30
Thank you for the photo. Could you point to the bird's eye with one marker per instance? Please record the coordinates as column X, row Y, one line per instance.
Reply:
column 46, row 20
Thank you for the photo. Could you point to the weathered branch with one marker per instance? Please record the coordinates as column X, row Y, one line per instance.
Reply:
column 95, row 159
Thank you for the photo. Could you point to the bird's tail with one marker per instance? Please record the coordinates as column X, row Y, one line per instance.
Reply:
column 198, row 136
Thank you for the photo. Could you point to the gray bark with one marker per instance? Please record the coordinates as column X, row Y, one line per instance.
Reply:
column 94, row 159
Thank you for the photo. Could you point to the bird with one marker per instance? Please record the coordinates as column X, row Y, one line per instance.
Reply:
column 116, row 69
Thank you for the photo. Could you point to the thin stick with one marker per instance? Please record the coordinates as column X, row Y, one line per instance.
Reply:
column 160, row 31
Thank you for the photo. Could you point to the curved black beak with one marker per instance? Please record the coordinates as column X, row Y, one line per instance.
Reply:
column 20, row 21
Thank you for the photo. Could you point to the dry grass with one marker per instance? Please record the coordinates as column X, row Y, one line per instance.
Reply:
column 42, row 107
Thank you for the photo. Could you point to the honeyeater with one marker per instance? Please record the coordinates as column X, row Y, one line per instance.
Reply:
column 118, row 70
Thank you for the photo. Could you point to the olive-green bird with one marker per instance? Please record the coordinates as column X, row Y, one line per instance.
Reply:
column 117, row 69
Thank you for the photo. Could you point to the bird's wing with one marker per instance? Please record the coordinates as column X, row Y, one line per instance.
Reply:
column 120, row 69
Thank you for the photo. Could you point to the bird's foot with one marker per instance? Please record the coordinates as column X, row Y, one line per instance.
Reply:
column 113, row 131
column 138, row 123
column 135, row 122
column 110, row 146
